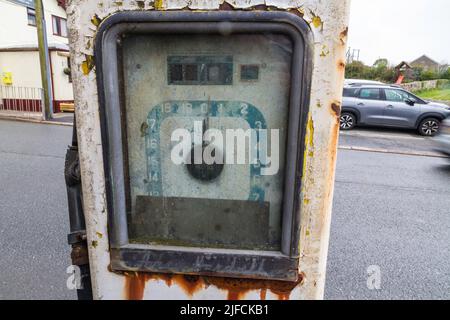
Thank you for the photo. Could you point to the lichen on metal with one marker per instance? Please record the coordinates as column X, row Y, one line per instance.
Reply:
column 329, row 27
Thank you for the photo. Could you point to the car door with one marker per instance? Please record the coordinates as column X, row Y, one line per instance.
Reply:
column 398, row 112
column 371, row 106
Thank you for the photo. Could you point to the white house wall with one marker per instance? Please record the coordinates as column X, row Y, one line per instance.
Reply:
column 24, row 66
column 14, row 28
column 63, row 90
column 25, row 69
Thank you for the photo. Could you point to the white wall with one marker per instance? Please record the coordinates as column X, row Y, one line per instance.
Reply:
column 24, row 67
column 62, row 87
column 14, row 28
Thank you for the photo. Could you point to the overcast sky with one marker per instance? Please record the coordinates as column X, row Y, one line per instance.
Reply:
column 400, row 29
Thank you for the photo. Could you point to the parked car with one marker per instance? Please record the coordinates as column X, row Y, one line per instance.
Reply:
column 349, row 82
column 390, row 106
column 442, row 141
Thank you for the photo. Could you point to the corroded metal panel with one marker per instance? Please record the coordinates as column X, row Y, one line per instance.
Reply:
column 328, row 21
column 210, row 223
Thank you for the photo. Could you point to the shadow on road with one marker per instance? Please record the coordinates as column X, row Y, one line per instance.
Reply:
column 387, row 131
column 444, row 169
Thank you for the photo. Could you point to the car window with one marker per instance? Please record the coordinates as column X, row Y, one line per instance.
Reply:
column 370, row 94
column 412, row 97
column 394, row 95
column 350, row 92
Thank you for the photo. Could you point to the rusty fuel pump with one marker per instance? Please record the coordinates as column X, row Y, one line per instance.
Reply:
column 207, row 139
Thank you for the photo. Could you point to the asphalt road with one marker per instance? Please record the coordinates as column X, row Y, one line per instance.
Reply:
column 390, row 210
column 390, row 140
column 34, row 253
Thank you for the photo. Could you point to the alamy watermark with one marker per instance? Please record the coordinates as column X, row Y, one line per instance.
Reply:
column 74, row 280
column 215, row 148
column 374, row 278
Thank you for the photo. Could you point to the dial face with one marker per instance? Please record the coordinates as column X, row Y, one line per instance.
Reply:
column 206, row 123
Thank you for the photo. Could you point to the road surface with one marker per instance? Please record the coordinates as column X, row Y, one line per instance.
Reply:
column 34, row 220
column 391, row 210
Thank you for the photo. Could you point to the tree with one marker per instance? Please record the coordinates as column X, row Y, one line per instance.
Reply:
column 381, row 63
column 429, row 75
column 357, row 70
column 445, row 74
column 380, row 71
column 389, row 75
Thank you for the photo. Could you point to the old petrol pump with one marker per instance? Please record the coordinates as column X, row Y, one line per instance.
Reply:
column 207, row 134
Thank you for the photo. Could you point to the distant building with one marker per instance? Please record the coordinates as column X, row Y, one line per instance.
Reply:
column 425, row 63
column 19, row 56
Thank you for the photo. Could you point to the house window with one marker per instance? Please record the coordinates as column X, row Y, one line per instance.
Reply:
column 59, row 26
column 31, row 15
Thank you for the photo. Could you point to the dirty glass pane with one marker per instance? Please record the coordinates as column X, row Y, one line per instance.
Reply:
column 249, row 73
column 206, row 146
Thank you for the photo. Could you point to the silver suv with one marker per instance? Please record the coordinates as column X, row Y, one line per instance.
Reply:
column 390, row 106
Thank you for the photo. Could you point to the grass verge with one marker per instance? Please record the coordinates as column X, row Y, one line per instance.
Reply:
column 435, row 94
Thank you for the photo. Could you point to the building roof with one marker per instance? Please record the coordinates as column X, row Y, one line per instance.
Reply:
column 403, row 64
column 425, row 57
column 25, row 3
column 30, row 3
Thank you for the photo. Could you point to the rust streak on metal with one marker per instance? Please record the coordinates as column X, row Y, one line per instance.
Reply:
column 343, row 36
column 333, row 147
column 263, row 294
column 167, row 278
column 334, row 141
column 237, row 288
column 189, row 284
column 79, row 254
column 335, row 106
column 135, row 285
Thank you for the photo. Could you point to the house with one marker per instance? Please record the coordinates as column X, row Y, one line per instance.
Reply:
column 426, row 63
column 19, row 56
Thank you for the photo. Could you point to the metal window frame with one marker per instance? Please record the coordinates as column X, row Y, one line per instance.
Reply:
column 201, row 261
column 31, row 12
column 59, row 32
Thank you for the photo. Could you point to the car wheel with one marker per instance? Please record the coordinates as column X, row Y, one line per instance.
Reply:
column 429, row 127
column 347, row 121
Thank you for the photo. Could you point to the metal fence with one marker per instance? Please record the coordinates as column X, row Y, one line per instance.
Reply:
column 24, row 101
